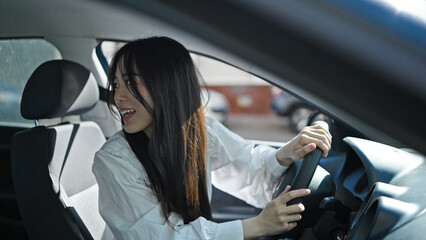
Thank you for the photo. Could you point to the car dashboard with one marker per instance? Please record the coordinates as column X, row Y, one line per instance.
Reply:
column 388, row 182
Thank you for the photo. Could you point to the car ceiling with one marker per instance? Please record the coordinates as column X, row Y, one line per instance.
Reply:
column 52, row 19
column 366, row 76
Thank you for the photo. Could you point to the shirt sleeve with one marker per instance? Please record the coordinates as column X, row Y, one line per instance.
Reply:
column 132, row 211
column 239, row 167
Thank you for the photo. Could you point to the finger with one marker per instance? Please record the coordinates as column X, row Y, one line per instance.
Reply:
column 289, row 220
column 293, row 194
column 322, row 128
column 286, row 190
column 293, row 209
column 321, row 134
column 323, row 143
column 306, row 139
column 293, row 218
column 305, row 150
column 288, row 226
column 317, row 135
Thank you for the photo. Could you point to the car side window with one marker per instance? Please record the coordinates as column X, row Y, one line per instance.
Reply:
column 18, row 59
column 238, row 99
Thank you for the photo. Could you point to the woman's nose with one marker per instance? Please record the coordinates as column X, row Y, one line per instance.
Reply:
column 120, row 94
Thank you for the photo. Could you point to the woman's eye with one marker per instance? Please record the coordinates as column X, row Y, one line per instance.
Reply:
column 128, row 82
column 115, row 85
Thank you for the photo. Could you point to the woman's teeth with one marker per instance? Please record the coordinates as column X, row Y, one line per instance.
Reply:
column 126, row 112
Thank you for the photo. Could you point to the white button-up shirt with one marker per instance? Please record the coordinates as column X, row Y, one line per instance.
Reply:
column 234, row 165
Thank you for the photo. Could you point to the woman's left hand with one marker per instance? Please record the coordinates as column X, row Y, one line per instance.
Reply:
column 305, row 142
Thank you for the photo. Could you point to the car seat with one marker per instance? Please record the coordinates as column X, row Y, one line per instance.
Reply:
column 56, row 191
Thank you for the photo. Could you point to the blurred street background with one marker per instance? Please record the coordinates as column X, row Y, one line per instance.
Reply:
column 269, row 127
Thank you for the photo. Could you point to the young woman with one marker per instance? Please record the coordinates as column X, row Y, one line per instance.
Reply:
column 155, row 176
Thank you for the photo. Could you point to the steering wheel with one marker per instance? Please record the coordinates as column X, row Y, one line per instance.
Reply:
column 306, row 172
column 302, row 179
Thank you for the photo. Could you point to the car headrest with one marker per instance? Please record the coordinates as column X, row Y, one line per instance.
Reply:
column 59, row 88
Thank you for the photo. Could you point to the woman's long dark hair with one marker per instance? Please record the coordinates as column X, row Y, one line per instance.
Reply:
column 175, row 157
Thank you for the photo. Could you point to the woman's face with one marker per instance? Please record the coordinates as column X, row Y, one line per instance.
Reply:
column 136, row 118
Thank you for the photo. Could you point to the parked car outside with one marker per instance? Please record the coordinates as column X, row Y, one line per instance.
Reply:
column 285, row 104
column 216, row 105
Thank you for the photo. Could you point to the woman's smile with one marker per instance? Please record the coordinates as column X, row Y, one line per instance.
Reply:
column 127, row 113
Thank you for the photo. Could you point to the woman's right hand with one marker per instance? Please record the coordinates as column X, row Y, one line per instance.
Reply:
column 276, row 217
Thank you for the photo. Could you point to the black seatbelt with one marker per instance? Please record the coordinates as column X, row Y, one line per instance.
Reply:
column 75, row 128
column 80, row 224
column 103, row 92
column 74, row 215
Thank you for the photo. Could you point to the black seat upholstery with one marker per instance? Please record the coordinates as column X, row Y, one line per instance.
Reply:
column 51, row 166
